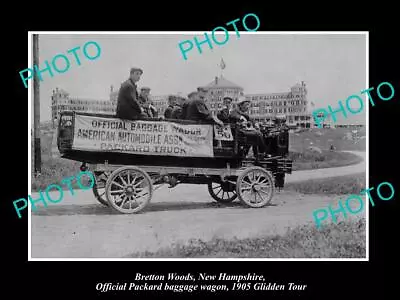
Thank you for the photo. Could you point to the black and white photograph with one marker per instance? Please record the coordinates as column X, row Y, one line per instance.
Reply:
column 169, row 145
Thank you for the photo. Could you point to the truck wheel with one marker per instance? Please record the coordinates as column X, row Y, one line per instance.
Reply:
column 255, row 187
column 129, row 190
column 223, row 193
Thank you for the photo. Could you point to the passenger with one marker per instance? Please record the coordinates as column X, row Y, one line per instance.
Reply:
column 279, row 131
column 178, row 108
column 223, row 114
column 185, row 103
column 240, row 117
column 198, row 111
column 145, row 103
column 170, row 108
column 128, row 105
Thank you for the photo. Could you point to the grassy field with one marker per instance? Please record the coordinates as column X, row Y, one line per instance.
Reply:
column 341, row 138
column 326, row 159
column 342, row 240
column 350, row 184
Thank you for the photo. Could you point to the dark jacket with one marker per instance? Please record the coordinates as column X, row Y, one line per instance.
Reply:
column 176, row 112
column 168, row 112
column 128, row 106
column 223, row 115
column 197, row 110
column 184, row 109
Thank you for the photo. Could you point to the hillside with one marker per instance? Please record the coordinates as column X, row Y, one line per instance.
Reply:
column 341, row 138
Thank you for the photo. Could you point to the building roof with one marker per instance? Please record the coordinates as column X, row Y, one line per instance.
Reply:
column 221, row 82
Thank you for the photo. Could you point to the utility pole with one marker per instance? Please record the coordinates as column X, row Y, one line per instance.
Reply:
column 36, row 109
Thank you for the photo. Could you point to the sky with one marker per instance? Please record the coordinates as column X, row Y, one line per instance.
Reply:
column 333, row 66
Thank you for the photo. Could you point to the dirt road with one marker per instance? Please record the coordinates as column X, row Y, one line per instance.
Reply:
column 79, row 227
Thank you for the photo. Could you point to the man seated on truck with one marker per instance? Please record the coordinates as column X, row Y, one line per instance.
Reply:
column 145, row 103
column 171, row 107
column 223, row 114
column 197, row 110
column 177, row 110
column 240, row 117
column 128, row 107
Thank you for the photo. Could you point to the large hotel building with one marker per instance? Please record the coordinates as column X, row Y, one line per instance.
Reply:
column 264, row 107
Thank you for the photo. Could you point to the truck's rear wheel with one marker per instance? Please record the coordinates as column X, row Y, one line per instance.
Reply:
column 255, row 187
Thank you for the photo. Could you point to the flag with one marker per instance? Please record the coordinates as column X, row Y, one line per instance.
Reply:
column 222, row 64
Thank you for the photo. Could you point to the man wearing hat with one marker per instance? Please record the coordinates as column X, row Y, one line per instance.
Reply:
column 240, row 113
column 177, row 111
column 128, row 103
column 185, row 103
column 197, row 110
column 241, row 117
column 145, row 103
column 170, row 108
column 223, row 114
column 278, row 136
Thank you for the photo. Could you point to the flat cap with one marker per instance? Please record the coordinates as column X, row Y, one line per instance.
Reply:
column 226, row 98
column 136, row 69
column 145, row 88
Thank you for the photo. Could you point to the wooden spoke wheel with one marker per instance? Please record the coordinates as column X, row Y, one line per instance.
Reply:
column 222, row 192
column 255, row 187
column 129, row 190
column 99, row 188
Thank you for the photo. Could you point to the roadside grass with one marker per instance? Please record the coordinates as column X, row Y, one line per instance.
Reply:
column 342, row 240
column 349, row 184
column 327, row 159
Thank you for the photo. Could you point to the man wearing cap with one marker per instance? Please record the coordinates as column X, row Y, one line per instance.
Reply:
column 197, row 109
column 170, row 108
column 128, row 105
column 177, row 111
column 145, row 103
column 279, row 131
column 185, row 103
column 223, row 114
column 240, row 116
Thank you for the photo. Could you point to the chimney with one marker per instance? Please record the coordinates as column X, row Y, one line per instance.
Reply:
column 112, row 88
column 216, row 80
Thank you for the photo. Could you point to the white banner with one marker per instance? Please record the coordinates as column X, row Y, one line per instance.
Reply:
column 142, row 137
